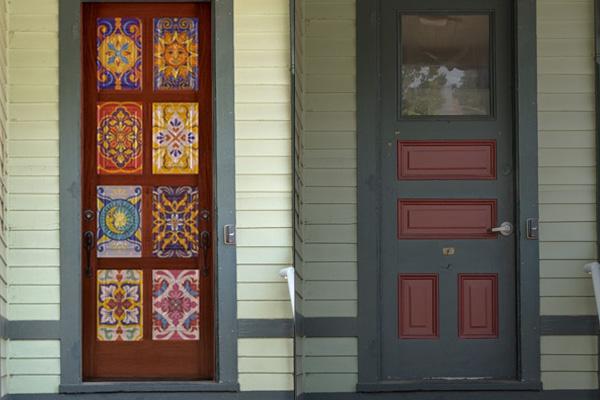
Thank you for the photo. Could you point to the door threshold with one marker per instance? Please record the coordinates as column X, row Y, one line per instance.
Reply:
column 149, row 386
column 445, row 384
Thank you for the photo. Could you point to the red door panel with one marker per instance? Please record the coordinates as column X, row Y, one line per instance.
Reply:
column 456, row 159
column 418, row 306
column 478, row 306
column 446, row 219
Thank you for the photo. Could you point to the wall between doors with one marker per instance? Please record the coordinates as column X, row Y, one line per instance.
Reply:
column 567, row 187
column 263, row 188
column 3, row 189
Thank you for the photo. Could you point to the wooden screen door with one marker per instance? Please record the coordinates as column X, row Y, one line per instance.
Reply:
column 448, row 274
column 147, row 247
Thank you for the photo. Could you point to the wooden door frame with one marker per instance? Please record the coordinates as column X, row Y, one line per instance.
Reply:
column 70, row 206
column 369, row 209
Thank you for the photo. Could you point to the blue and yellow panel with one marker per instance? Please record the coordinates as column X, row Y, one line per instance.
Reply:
column 175, row 304
column 175, row 138
column 119, row 138
column 119, row 221
column 119, row 305
column 175, row 222
column 176, row 53
column 119, row 60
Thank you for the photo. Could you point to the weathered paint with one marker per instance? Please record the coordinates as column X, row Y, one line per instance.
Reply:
column 3, row 189
column 263, row 186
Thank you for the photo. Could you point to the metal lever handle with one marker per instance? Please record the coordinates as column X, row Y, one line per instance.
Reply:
column 505, row 229
column 88, row 241
column 205, row 243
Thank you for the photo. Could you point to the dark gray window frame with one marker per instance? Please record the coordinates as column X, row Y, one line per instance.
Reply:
column 369, row 345
column 70, row 208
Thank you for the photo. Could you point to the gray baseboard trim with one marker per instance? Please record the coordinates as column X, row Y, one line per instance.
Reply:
column 330, row 327
column 265, row 328
column 275, row 395
column 570, row 325
column 542, row 395
column 33, row 330
column 148, row 387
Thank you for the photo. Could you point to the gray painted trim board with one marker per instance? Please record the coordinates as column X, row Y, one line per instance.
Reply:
column 577, row 325
column 70, row 191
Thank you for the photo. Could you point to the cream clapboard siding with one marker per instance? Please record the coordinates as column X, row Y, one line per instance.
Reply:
column 328, row 167
column 3, row 187
column 263, row 187
column 33, row 190
column 567, row 184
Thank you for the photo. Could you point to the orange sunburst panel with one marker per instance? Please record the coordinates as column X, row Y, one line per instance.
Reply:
column 119, row 138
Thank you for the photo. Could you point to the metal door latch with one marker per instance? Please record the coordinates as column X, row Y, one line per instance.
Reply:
column 505, row 229
column 229, row 234
column 533, row 229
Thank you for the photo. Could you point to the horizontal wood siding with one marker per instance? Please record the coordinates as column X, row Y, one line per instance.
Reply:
column 3, row 186
column 567, row 185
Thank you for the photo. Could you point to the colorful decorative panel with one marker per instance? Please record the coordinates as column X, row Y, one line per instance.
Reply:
column 175, row 222
column 175, row 138
column 120, row 310
column 176, row 53
column 175, row 305
column 119, row 62
column 119, row 138
column 119, row 221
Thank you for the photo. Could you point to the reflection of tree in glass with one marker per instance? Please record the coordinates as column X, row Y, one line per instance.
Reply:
column 471, row 93
column 421, row 90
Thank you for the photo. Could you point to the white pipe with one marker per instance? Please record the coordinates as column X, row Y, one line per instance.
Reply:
column 594, row 269
column 289, row 274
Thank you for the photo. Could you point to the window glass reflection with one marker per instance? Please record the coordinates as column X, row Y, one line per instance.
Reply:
column 445, row 65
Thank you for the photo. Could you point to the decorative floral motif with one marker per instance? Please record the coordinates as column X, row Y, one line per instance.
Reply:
column 119, row 62
column 175, row 138
column 119, row 307
column 119, row 138
column 175, row 305
column 176, row 53
column 175, row 222
column 119, row 221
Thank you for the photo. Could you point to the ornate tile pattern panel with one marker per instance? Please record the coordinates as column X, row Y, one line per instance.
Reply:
column 175, row 305
column 176, row 53
column 119, row 45
column 175, row 222
column 120, row 309
column 119, row 221
column 175, row 138
column 119, row 138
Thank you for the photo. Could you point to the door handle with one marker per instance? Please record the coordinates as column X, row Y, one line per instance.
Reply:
column 88, row 242
column 205, row 244
column 505, row 229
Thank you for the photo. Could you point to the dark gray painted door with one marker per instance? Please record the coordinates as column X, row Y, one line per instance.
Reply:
column 448, row 171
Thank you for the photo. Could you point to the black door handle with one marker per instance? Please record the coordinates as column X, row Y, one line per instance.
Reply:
column 205, row 244
column 88, row 242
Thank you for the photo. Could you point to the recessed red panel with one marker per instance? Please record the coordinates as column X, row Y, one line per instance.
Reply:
column 478, row 306
column 441, row 159
column 418, row 306
column 446, row 219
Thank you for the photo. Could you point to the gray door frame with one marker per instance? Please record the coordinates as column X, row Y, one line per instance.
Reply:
column 70, row 206
column 369, row 206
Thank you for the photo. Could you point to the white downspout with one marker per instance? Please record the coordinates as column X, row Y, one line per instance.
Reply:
column 594, row 269
column 289, row 274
